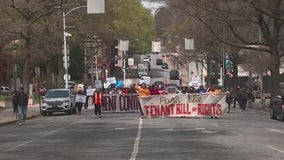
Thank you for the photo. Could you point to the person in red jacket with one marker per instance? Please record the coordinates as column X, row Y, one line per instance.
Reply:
column 97, row 102
column 154, row 90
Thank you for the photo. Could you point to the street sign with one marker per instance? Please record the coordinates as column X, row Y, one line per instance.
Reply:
column 95, row 7
column 65, row 77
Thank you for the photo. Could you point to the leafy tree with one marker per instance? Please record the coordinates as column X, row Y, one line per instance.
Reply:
column 35, row 28
column 123, row 19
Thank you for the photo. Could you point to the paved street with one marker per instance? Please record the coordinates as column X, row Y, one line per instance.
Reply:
column 236, row 136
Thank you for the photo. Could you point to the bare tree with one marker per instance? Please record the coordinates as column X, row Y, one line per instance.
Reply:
column 240, row 20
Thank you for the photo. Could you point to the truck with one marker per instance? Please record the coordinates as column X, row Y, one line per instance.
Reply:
column 142, row 70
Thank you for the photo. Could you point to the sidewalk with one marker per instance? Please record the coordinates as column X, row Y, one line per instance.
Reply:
column 7, row 115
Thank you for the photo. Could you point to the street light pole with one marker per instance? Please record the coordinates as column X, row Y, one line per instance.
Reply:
column 124, row 46
column 66, row 75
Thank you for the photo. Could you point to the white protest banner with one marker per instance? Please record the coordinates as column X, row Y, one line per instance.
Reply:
column 183, row 105
column 90, row 91
column 80, row 98
column 98, row 84
column 111, row 80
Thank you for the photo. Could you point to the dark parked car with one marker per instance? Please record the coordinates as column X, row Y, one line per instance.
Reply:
column 174, row 75
column 277, row 108
column 277, row 105
column 159, row 61
column 164, row 66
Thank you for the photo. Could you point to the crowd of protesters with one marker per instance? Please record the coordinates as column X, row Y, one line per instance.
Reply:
column 242, row 96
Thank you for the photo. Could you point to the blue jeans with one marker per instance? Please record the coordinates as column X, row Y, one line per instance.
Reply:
column 22, row 114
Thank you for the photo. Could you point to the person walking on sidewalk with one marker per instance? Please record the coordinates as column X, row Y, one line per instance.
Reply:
column 97, row 102
column 15, row 106
column 22, row 103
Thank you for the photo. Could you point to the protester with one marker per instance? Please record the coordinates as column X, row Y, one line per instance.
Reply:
column 154, row 90
column 191, row 89
column 143, row 90
column 242, row 99
column 22, row 103
column 79, row 104
column 87, row 97
column 201, row 89
column 229, row 100
column 162, row 89
column 97, row 102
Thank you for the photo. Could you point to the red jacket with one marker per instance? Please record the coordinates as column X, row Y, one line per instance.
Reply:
column 154, row 91
column 97, row 98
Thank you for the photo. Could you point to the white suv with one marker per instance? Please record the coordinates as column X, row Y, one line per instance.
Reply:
column 58, row 100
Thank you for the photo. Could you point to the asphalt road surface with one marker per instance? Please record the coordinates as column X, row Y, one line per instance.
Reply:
column 249, row 135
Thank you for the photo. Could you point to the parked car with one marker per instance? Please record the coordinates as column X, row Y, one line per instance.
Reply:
column 164, row 66
column 277, row 105
column 58, row 100
column 277, row 108
column 174, row 75
column 159, row 61
column 5, row 89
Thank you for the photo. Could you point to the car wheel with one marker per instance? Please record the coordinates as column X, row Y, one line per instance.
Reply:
column 282, row 116
column 272, row 114
column 43, row 113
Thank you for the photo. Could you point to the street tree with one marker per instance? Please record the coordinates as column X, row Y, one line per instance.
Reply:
column 22, row 20
column 124, row 19
column 261, row 20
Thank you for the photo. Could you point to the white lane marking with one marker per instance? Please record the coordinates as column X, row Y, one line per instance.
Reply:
column 192, row 129
column 237, row 133
column 214, row 124
column 274, row 130
column 275, row 149
column 27, row 142
column 137, row 141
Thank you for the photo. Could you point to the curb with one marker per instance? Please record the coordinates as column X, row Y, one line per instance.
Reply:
column 14, row 121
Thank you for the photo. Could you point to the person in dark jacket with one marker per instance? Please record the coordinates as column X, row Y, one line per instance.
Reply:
column 229, row 100
column 15, row 105
column 22, row 103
